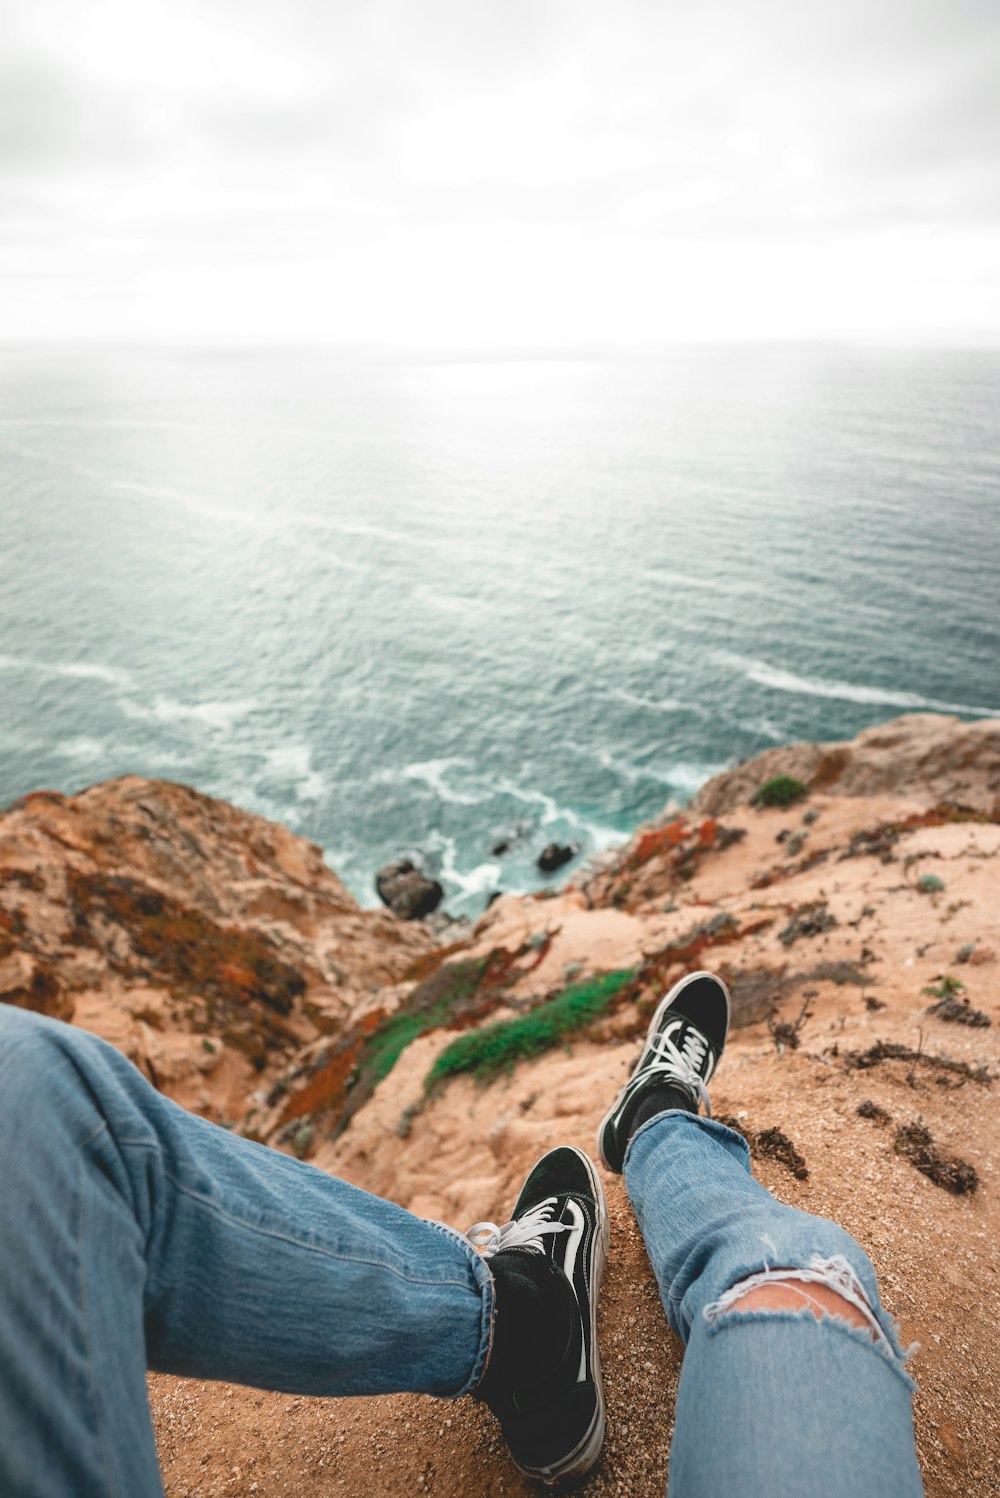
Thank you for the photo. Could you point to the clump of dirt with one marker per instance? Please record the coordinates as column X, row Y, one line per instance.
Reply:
column 809, row 920
column 839, row 973
column 890, row 1050
column 874, row 1111
column 959, row 1012
column 770, row 1144
column 914, row 1141
column 712, row 930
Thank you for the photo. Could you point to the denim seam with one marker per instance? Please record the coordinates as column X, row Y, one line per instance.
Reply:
column 830, row 1318
column 98, row 1420
column 102, row 1127
column 487, row 1307
column 301, row 1243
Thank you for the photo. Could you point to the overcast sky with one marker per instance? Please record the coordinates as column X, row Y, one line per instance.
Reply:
column 522, row 171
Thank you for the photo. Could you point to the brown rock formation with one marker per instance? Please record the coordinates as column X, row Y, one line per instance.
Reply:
column 921, row 755
column 208, row 944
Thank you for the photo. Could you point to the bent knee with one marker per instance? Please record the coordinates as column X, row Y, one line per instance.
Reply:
column 826, row 1289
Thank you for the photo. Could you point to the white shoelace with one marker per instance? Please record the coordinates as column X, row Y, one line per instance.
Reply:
column 522, row 1232
column 682, row 1064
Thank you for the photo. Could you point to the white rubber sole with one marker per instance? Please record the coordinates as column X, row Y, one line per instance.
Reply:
column 665, row 1003
column 585, row 1453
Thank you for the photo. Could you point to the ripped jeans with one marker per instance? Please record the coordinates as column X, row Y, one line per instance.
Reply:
column 771, row 1403
column 135, row 1235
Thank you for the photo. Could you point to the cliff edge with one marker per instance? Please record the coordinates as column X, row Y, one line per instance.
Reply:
column 848, row 894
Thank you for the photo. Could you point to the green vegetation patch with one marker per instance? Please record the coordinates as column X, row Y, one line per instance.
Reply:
column 783, row 790
column 497, row 1047
column 438, row 1001
column 342, row 1078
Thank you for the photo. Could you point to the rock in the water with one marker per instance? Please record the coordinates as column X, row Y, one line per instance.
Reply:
column 499, row 849
column 407, row 892
column 553, row 857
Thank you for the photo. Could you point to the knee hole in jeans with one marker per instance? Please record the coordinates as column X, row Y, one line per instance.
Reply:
column 825, row 1287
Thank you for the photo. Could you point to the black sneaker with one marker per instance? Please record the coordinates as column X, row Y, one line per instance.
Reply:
column 557, row 1240
column 685, row 1039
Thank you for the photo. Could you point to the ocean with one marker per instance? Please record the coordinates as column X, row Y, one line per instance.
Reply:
column 422, row 604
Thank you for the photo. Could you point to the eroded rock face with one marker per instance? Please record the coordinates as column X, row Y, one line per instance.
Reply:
column 208, row 944
column 920, row 755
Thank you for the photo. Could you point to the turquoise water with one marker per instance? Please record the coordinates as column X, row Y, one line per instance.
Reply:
column 413, row 605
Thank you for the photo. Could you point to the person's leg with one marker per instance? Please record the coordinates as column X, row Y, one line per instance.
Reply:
column 793, row 1379
column 132, row 1232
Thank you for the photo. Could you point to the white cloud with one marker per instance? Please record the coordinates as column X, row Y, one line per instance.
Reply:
column 524, row 171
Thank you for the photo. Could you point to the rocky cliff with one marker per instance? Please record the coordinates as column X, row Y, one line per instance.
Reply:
column 208, row 944
column 855, row 920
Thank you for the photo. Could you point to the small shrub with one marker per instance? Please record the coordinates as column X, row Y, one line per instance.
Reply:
column 953, row 1004
column 809, row 920
column 947, row 987
column 497, row 1047
column 783, row 790
column 930, row 884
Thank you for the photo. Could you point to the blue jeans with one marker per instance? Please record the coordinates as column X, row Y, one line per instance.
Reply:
column 135, row 1235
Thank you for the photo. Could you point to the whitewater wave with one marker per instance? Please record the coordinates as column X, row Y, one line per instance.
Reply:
column 76, row 670
column 654, row 705
column 779, row 680
column 221, row 717
column 552, row 813
column 294, row 762
column 432, row 773
column 81, row 748
column 480, row 880
column 683, row 776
